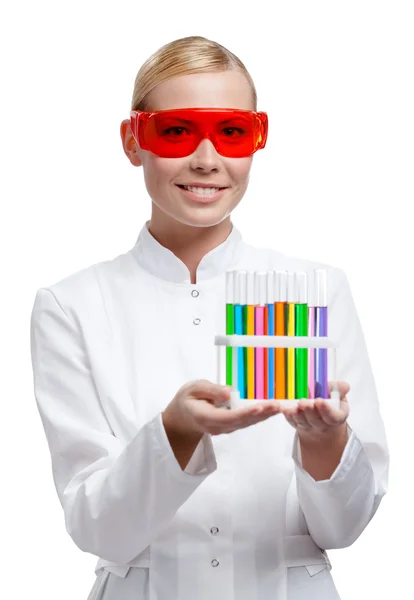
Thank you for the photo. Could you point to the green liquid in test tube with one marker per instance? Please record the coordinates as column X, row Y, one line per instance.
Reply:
column 301, row 328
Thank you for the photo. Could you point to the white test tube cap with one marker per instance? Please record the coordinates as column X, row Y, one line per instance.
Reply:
column 320, row 288
column 250, row 288
column 281, row 286
column 241, row 287
column 270, row 287
column 261, row 288
column 230, row 287
column 291, row 287
column 301, row 287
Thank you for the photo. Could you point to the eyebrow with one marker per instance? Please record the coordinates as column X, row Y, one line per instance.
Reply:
column 237, row 118
column 180, row 120
column 173, row 118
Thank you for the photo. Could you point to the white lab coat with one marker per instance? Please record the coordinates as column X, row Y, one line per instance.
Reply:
column 243, row 521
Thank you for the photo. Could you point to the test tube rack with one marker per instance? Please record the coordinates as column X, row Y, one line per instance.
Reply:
column 270, row 341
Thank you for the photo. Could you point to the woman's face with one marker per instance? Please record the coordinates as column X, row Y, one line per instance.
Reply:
column 228, row 89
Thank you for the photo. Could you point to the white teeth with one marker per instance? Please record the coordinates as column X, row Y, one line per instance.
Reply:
column 201, row 191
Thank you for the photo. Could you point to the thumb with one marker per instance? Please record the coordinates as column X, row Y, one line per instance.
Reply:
column 208, row 390
column 342, row 386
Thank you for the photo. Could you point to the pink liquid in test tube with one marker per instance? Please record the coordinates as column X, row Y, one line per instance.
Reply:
column 261, row 299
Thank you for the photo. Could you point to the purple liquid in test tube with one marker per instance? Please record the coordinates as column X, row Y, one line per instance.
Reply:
column 321, row 329
column 311, row 354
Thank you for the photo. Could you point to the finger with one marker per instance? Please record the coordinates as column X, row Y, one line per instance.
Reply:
column 295, row 414
column 259, row 413
column 291, row 421
column 203, row 389
column 290, row 414
column 301, row 419
column 342, row 386
column 313, row 417
column 209, row 416
column 266, row 411
column 262, row 412
column 329, row 414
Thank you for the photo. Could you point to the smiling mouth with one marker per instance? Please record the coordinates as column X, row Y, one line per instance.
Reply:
column 203, row 195
column 183, row 187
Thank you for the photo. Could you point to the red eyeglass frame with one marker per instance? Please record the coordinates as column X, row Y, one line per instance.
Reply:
column 203, row 120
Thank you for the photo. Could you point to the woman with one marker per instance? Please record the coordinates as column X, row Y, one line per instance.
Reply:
column 124, row 374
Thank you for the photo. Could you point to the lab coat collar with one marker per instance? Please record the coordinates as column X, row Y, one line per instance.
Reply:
column 164, row 264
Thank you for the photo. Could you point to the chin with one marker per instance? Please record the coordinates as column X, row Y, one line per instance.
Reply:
column 191, row 215
column 203, row 218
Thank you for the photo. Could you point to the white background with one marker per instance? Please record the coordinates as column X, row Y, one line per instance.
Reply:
column 334, row 183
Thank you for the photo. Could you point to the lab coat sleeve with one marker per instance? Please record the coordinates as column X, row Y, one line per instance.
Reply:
column 117, row 497
column 338, row 510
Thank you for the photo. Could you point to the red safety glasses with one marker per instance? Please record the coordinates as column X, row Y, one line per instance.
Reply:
column 177, row 133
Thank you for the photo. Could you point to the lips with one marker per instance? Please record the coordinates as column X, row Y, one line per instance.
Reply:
column 206, row 198
column 220, row 187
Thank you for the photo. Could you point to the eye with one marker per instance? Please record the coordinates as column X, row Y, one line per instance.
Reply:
column 233, row 131
column 174, row 131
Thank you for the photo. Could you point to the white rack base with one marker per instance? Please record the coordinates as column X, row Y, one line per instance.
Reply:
column 237, row 402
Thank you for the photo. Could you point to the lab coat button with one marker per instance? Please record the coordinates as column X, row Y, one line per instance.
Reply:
column 215, row 563
column 194, row 293
column 197, row 321
column 214, row 530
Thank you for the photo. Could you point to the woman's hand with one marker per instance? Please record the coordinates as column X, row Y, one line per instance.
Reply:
column 314, row 419
column 322, row 432
column 196, row 410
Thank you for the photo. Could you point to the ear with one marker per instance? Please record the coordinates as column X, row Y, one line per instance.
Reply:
column 131, row 148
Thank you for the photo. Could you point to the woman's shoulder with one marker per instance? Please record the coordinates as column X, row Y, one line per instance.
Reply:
column 86, row 287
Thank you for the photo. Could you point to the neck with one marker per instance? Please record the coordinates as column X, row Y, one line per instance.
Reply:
column 187, row 242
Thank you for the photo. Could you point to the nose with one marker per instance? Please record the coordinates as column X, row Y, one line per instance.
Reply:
column 205, row 156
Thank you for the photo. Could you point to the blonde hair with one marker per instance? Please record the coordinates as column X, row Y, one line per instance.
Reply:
column 194, row 54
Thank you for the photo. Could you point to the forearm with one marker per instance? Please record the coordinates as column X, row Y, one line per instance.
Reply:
column 337, row 509
column 183, row 445
column 321, row 453
column 116, row 511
